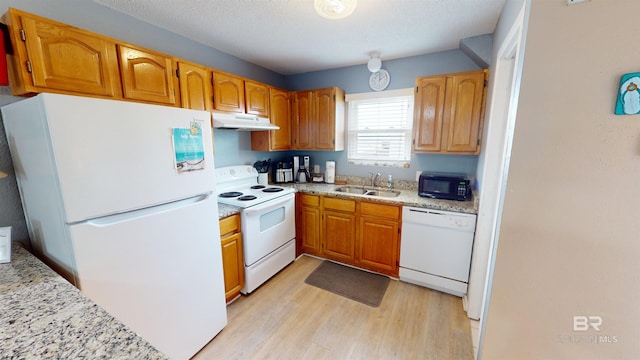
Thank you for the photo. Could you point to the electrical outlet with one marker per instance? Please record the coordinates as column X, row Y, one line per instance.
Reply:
column 571, row 2
column 418, row 175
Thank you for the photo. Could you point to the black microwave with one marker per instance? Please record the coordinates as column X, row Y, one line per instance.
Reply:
column 444, row 186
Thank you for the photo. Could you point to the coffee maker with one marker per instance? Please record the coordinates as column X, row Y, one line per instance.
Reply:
column 301, row 166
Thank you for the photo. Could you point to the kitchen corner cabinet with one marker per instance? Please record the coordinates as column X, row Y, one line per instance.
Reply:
column 318, row 119
column 310, row 221
column 232, row 259
column 195, row 89
column 449, row 112
column 53, row 57
column 147, row 76
column 339, row 229
column 379, row 237
column 280, row 115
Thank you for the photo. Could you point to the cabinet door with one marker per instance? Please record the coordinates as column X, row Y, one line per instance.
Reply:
column 280, row 115
column 378, row 245
column 63, row 59
column 463, row 112
column 339, row 236
column 228, row 93
column 147, row 76
column 256, row 98
column 195, row 88
column 303, row 129
column 310, row 230
column 429, row 113
column 232, row 264
column 325, row 113
column 339, row 229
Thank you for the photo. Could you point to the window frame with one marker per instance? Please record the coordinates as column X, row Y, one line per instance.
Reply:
column 407, row 132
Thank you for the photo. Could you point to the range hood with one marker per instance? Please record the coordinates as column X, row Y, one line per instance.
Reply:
column 246, row 122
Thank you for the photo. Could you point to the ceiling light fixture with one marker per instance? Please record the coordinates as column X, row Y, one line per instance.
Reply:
column 335, row 9
column 374, row 63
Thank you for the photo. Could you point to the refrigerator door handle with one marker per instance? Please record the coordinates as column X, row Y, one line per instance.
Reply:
column 139, row 213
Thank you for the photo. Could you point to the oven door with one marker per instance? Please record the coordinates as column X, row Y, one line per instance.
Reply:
column 267, row 226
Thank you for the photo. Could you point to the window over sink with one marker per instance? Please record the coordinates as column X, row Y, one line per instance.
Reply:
column 380, row 124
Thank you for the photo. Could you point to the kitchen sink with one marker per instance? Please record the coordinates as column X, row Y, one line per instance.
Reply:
column 383, row 193
column 352, row 190
column 367, row 191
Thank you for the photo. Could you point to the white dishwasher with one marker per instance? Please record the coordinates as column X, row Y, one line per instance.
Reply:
column 435, row 250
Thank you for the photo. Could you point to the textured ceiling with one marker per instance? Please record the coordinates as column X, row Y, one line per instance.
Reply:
column 288, row 37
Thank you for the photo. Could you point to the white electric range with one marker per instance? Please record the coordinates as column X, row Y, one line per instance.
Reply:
column 267, row 221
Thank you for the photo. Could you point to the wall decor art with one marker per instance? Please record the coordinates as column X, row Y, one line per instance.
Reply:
column 628, row 99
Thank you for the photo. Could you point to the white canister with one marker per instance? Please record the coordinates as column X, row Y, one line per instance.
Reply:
column 263, row 178
column 330, row 172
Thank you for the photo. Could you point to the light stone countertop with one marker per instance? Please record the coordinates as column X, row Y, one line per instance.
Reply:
column 44, row 316
column 225, row 210
column 406, row 197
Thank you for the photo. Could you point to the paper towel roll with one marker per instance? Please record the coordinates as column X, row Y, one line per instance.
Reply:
column 330, row 172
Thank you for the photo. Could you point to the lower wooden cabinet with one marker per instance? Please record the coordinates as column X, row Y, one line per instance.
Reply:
column 309, row 220
column 379, row 237
column 339, row 229
column 361, row 233
column 232, row 260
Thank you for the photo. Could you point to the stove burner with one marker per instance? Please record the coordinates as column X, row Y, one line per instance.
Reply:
column 247, row 198
column 255, row 187
column 272, row 189
column 230, row 194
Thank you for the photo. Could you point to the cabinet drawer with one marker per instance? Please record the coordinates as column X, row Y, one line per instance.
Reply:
column 339, row 204
column 310, row 200
column 381, row 210
column 230, row 224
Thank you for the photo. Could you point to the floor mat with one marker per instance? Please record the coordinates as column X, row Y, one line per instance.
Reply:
column 358, row 285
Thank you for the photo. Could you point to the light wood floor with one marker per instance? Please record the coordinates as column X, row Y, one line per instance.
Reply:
column 288, row 319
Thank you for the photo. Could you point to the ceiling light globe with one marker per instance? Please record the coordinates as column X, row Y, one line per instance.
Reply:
column 335, row 9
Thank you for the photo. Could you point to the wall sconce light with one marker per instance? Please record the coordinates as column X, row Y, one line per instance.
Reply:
column 374, row 63
column 2, row 175
column 335, row 9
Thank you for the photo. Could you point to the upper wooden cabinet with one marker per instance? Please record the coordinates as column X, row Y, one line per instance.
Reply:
column 53, row 57
column 147, row 76
column 228, row 92
column 318, row 119
column 449, row 112
column 256, row 98
column 235, row 94
column 280, row 115
column 195, row 89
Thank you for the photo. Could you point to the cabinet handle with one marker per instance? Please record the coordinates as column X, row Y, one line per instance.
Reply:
column 23, row 36
column 29, row 69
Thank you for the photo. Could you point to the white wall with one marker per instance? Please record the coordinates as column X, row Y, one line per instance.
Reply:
column 569, row 237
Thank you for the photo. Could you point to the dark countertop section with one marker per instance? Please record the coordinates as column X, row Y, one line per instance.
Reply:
column 44, row 316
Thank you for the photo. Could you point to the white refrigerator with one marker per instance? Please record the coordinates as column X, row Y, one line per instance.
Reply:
column 119, row 198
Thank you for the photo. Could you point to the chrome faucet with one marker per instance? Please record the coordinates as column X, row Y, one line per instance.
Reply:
column 374, row 176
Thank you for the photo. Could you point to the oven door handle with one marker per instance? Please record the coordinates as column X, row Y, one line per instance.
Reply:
column 268, row 205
